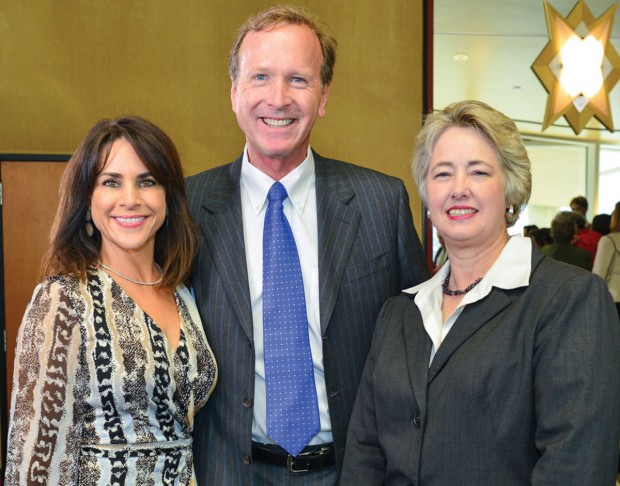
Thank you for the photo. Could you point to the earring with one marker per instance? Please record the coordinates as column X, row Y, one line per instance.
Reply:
column 510, row 211
column 428, row 214
column 90, row 231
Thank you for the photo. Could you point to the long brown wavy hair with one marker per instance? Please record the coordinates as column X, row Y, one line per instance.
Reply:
column 72, row 251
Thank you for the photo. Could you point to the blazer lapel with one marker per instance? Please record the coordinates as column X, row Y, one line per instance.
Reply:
column 222, row 227
column 337, row 225
column 473, row 317
column 418, row 349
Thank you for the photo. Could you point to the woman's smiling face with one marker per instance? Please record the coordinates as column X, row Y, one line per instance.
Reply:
column 466, row 189
column 128, row 205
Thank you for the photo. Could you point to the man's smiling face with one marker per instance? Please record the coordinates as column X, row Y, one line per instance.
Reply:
column 278, row 95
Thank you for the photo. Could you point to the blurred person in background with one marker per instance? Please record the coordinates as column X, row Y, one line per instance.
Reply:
column 563, row 229
column 528, row 228
column 601, row 223
column 585, row 238
column 607, row 262
column 579, row 204
column 541, row 237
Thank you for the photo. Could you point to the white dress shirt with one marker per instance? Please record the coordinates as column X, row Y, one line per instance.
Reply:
column 511, row 270
column 301, row 211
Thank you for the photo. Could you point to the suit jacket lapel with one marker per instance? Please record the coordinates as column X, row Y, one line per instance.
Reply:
column 418, row 349
column 223, row 230
column 337, row 225
column 473, row 317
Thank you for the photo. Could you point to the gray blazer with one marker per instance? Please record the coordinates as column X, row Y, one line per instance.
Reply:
column 525, row 389
column 368, row 252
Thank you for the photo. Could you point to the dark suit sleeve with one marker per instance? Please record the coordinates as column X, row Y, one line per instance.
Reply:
column 413, row 268
column 577, row 386
column 364, row 461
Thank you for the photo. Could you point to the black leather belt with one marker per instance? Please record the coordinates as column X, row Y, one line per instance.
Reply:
column 310, row 459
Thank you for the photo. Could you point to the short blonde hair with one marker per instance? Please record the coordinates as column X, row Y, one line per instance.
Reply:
column 499, row 130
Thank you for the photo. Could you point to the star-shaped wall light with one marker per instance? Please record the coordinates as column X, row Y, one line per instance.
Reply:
column 578, row 67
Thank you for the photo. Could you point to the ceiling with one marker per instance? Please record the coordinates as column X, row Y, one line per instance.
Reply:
column 502, row 38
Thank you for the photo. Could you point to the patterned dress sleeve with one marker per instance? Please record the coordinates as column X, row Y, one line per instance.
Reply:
column 44, row 430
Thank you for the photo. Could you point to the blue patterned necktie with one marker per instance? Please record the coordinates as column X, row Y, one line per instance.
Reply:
column 292, row 407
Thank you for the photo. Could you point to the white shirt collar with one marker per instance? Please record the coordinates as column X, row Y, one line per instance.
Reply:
column 511, row 270
column 513, row 267
column 297, row 183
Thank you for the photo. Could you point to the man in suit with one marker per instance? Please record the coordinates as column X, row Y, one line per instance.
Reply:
column 356, row 246
column 563, row 229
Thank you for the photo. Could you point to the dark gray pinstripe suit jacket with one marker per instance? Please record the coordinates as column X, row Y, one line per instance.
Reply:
column 368, row 252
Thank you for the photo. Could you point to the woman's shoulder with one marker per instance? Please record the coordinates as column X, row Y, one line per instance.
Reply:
column 611, row 240
column 55, row 296
column 59, row 283
column 186, row 296
column 397, row 314
column 395, row 308
column 553, row 276
column 400, row 302
column 63, row 287
column 549, row 267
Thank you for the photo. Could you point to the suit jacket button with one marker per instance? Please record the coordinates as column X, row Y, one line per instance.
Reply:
column 247, row 402
column 417, row 420
column 247, row 460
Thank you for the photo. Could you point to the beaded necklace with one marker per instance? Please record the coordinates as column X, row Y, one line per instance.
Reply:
column 447, row 291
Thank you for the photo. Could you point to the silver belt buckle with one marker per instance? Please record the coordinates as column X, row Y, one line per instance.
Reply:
column 290, row 465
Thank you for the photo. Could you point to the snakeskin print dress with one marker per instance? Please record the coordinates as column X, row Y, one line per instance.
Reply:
column 99, row 395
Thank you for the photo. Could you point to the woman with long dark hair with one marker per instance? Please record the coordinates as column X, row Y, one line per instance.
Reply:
column 112, row 362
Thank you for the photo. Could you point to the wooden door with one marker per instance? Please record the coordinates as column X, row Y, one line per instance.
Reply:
column 29, row 202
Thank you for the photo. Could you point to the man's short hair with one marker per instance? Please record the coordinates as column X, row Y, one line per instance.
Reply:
column 563, row 228
column 272, row 17
column 580, row 202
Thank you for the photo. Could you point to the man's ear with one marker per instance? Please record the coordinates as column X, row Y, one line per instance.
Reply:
column 324, row 99
column 233, row 95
